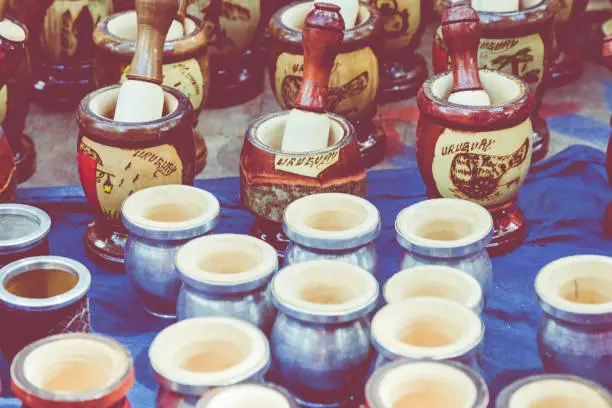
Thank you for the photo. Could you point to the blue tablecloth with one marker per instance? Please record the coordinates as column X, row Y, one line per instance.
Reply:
column 564, row 200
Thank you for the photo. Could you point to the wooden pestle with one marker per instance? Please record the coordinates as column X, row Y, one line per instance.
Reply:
column 461, row 30
column 495, row 6
column 181, row 15
column 307, row 128
column 349, row 9
column 141, row 97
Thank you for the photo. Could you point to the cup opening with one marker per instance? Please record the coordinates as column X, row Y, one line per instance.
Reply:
column 502, row 89
column 73, row 367
column 227, row 259
column 41, row 283
column 427, row 328
column 270, row 132
column 325, row 287
column 12, row 31
column 444, row 222
column 427, row 384
column 103, row 103
column 248, row 395
column 18, row 225
column 125, row 26
column 437, row 282
column 209, row 351
column 294, row 17
column 580, row 284
column 557, row 393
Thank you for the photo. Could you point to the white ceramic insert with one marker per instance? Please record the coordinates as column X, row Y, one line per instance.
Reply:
column 245, row 395
column 558, row 393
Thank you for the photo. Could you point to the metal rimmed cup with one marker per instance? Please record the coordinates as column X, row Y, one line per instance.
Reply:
column 23, row 232
column 75, row 369
column 427, row 328
column 323, row 305
column 332, row 226
column 555, row 391
column 160, row 220
column 195, row 355
column 450, row 232
column 575, row 332
column 426, row 384
column 248, row 395
column 227, row 275
column 42, row 296
column 435, row 281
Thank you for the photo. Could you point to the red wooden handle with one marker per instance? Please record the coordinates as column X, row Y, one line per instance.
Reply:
column 322, row 36
column 461, row 31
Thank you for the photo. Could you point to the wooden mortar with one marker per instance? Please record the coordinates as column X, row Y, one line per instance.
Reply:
column 354, row 80
column 116, row 159
column 186, row 62
column 62, row 58
column 569, row 59
column 402, row 69
column 520, row 43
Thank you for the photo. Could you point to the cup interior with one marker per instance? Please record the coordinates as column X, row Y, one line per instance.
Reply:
column 426, row 384
column 502, row 89
column 427, row 328
column 270, row 132
column 41, row 283
column 22, row 225
column 75, row 366
column 209, row 351
column 103, row 103
column 294, row 17
column 125, row 26
column 557, row 393
column 247, row 395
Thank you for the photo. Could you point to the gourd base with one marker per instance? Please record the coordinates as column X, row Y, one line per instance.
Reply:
column 272, row 233
column 105, row 245
column 25, row 159
column 372, row 141
column 201, row 152
column 236, row 80
column 61, row 87
column 509, row 230
column 568, row 66
column 541, row 137
column 401, row 75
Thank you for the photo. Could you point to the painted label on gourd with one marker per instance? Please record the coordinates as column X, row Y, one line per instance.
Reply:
column 520, row 56
column 564, row 10
column 310, row 166
column 68, row 29
column 401, row 20
column 352, row 84
column 3, row 102
column 487, row 168
column 110, row 174
column 186, row 77
column 230, row 25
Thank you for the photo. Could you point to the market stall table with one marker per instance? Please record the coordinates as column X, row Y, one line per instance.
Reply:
column 564, row 200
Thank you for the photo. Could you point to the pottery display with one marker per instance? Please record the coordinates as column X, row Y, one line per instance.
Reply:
column 354, row 79
column 427, row 328
column 569, row 61
column 160, row 220
column 23, row 232
column 197, row 355
column 575, row 333
column 520, row 43
column 41, row 296
column 15, row 95
column 117, row 159
column 402, row 69
column 426, row 384
column 186, row 62
column 236, row 68
column 70, row 370
column 447, row 232
column 248, row 394
column 554, row 391
column 332, row 226
column 322, row 305
column 62, row 47
column 227, row 275
column 8, row 172
column 436, row 281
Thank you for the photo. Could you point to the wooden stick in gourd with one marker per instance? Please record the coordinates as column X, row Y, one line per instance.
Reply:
column 308, row 126
column 181, row 16
column 495, row 6
column 141, row 97
column 461, row 31
column 349, row 9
